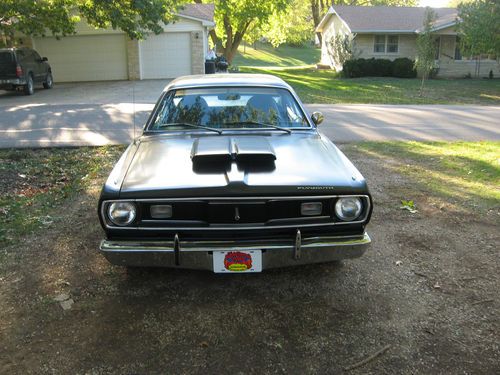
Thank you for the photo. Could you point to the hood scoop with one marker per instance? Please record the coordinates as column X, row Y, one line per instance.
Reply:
column 212, row 151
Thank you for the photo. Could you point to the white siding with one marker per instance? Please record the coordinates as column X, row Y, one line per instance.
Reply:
column 335, row 26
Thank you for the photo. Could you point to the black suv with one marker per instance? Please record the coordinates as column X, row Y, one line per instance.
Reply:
column 23, row 68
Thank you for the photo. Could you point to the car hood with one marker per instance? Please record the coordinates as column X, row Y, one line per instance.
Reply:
column 301, row 163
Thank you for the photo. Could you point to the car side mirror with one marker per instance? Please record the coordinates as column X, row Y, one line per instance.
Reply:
column 317, row 118
column 45, row 59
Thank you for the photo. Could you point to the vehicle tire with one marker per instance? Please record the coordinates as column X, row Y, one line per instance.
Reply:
column 49, row 82
column 29, row 87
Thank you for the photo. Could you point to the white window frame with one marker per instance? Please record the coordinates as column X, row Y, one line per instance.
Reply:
column 386, row 44
column 375, row 43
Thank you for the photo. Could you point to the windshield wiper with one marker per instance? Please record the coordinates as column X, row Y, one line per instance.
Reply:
column 249, row 122
column 161, row 126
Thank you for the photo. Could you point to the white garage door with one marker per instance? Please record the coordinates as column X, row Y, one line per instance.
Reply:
column 166, row 55
column 85, row 58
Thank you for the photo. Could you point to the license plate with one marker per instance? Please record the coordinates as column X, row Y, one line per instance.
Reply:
column 237, row 261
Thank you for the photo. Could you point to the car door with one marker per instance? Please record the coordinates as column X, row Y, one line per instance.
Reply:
column 38, row 66
column 25, row 60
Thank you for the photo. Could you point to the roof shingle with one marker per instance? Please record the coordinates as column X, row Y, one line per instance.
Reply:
column 200, row 11
column 390, row 18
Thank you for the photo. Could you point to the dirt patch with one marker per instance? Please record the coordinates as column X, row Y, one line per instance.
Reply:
column 428, row 288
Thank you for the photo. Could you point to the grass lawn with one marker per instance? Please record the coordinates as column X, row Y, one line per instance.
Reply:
column 467, row 173
column 284, row 56
column 324, row 86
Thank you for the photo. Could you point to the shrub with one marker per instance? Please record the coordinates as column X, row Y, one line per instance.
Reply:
column 382, row 68
column 403, row 68
column 353, row 68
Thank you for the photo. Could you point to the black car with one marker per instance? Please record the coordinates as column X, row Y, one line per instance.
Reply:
column 232, row 175
column 23, row 68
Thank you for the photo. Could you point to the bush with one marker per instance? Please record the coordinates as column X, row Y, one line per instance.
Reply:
column 382, row 67
column 403, row 68
column 353, row 68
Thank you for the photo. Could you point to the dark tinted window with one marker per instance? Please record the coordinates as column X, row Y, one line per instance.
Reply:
column 21, row 55
column 6, row 57
column 36, row 55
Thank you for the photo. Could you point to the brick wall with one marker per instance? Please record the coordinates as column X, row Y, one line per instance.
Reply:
column 197, row 53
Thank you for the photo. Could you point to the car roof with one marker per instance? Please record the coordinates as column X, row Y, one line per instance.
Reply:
column 12, row 49
column 226, row 79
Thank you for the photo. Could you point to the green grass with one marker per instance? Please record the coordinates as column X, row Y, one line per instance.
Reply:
column 468, row 172
column 325, row 86
column 283, row 56
column 35, row 182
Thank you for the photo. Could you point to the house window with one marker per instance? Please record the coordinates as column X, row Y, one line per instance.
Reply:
column 392, row 43
column 386, row 43
column 379, row 45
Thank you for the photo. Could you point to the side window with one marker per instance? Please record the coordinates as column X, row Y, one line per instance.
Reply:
column 36, row 56
column 20, row 55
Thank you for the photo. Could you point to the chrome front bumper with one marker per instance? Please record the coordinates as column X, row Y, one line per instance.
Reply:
column 198, row 254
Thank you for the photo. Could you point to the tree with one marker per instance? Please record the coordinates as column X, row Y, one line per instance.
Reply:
column 58, row 17
column 479, row 27
column 292, row 26
column 234, row 17
column 426, row 47
column 36, row 17
column 320, row 7
column 342, row 48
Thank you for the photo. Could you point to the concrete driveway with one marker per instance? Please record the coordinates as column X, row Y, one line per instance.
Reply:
column 103, row 113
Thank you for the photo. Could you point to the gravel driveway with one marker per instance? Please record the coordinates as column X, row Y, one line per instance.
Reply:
column 103, row 113
column 425, row 297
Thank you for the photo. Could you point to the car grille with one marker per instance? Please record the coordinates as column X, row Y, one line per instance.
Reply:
column 248, row 213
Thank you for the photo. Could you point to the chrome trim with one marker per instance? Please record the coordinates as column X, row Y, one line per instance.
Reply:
column 177, row 250
column 298, row 244
column 236, row 199
column 205, row 246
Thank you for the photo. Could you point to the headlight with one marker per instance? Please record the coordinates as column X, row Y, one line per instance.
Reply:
column 122, row 213
column 348, row 209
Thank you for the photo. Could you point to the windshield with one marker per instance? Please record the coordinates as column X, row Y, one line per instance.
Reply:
column 228, row 108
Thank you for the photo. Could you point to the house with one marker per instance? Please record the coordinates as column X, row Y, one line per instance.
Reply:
column 106, row 54
column 391, row 32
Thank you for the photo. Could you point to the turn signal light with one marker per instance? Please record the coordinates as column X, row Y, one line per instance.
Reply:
column 163, row 211
column 311, row 208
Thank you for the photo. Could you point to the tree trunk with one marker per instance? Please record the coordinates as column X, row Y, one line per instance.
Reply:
column 317, row 10
column 421, row 93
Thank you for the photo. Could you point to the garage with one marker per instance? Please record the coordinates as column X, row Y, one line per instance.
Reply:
column 85, row 57
column 167, row 55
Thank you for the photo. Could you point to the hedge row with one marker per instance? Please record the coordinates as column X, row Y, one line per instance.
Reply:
column 402, row 68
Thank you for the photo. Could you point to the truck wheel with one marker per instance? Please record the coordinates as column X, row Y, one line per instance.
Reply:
column 29, row 87
column 48, row 81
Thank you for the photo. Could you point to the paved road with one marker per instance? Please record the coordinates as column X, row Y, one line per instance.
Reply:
column 103, row 113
